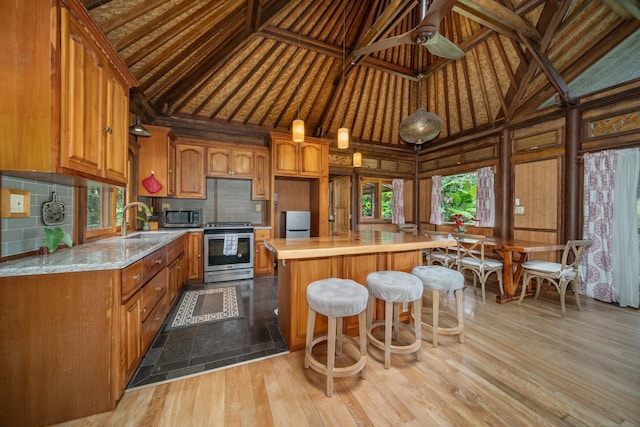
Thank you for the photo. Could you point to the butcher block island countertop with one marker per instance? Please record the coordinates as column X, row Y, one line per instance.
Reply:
column 352, row 256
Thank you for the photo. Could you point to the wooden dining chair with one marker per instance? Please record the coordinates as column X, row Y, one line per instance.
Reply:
column 408, row 228
column 560, row 275
column 471, row 257
column 439, row 256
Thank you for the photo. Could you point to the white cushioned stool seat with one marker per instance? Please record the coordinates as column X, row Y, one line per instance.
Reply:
column 336, row 298
column 395, row 288
column 438, row 279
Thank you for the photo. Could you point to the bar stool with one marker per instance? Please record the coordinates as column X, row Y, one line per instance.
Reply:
column 394, row 288
column 438, row 279
column 336, row 299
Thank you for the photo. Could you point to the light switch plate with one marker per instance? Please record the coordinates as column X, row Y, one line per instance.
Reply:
column 519, row 210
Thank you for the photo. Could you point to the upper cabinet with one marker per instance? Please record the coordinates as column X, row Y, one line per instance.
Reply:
column 304, row 159
column 261, row 177
column 190, row 179
column 65, row 94
column 157, row 155
column 229, row 162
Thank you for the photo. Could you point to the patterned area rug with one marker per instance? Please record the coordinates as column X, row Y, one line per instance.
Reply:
column 205, row 306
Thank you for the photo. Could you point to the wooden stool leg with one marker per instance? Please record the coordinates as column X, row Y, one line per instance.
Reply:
column 436, row 307
column 396, row 321
column 388, row 325
column 417, row 325
column 331, row 354
column 339, row 336
column 460, row 312
column 362, row 329
column 311, row 319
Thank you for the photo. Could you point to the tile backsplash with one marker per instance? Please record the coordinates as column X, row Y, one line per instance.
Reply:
column 228, row 200
column 21, row 235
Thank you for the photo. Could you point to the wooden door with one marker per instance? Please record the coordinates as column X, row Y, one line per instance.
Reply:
column 116, row 128
column 342, row 205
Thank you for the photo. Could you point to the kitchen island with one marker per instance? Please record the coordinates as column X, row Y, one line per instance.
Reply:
column 352, row 256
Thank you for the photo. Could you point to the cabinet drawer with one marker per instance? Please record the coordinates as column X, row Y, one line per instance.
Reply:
column 262, row 234
column 175, row 249
column 153, row 291
column 154, row 262
column 154, row 321
column 132, row 279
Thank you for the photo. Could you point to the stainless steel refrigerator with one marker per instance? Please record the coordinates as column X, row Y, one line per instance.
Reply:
column 296, row 224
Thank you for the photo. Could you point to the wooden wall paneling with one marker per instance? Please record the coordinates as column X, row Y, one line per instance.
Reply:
column 293, row 195
column 424, row 202
column 409, row 205
column 537, row 185
column 550, row 237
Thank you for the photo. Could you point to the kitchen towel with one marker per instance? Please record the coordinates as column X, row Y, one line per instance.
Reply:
column 230, row 245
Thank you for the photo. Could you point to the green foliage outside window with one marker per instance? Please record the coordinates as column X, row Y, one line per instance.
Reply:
column 459, row 196
column 94, row 207
column 387, row 201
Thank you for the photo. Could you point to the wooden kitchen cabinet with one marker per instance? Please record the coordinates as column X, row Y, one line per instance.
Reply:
column 66, row 98
column 195, row 248
column 157, row 154
column 304, row 159
column 190, row 179
column 260, row 184
column 226, row 161
column 263, row 258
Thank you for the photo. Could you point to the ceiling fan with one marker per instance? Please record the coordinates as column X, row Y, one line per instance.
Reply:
column 425, row 34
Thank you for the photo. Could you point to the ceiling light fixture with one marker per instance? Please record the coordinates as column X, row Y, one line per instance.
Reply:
column 297, row 128
column 343, row 132
column 138, row 130
column 421, row 126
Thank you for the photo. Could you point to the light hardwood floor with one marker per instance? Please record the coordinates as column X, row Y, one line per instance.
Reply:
column 520, row 365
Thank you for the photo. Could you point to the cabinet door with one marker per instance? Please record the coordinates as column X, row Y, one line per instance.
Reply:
column 219, row 162
column 194, row 257
column 242, row 163
column 116, row 128
column 260, row 185
column 82, row 71
column 190, row 181
column 131, row 352
column 157, row 154
column 285, row 157
column 263, row 260
column 310, row 159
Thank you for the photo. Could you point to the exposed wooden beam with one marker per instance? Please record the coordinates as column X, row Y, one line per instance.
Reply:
column 127, row 15
column 627, row 9
column 489, row 12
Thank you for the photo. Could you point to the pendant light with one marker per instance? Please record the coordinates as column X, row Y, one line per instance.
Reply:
column 357, row 159
column 421, row 126
column 297, row 128
column 343, row 132
column 138, row 130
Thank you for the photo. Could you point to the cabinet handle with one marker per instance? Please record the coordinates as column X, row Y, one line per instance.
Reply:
column 159, row 289
column 143, row 310
column 159, row 261
column 137, row 277
column 107, row 129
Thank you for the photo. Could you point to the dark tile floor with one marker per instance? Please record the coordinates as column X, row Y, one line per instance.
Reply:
column 199, row 348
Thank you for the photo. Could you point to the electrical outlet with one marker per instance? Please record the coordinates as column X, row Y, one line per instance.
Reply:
column 519, row 210
column 258, row 207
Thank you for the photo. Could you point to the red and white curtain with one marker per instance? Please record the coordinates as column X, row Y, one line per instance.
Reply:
column 611, row 264
column 436, row 200
column 485, row 198
column 397, row 215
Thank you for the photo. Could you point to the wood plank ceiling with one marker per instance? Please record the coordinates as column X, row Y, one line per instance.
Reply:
column 253, row 66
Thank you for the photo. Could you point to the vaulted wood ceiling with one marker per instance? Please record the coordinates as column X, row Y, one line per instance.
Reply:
column 253, row 66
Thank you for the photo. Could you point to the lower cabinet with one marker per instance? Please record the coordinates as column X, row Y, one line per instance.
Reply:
column 195, row 248
column 263, row 258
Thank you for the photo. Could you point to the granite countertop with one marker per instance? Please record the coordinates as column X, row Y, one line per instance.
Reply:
column 354, row 243
column 106, row 254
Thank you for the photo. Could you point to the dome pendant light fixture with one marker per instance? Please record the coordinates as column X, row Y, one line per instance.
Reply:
column 421, row 126
column 297, row 127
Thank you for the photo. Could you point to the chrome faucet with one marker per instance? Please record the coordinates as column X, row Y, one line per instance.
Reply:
column 123, row 227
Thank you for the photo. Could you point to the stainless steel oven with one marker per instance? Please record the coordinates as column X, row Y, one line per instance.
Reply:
column 228, row 251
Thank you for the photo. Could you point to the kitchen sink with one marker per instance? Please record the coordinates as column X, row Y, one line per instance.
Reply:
column 148, row 235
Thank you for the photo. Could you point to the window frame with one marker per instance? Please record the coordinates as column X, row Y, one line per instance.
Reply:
column 377, row 206
column 468, row 221
column 108, row 211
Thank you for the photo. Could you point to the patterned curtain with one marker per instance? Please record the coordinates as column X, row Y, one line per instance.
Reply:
column 599, row 183
column 485, row 198
column 397, row 216
column 436, row 200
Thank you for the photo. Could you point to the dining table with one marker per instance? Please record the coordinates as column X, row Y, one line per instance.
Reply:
column 507, row 248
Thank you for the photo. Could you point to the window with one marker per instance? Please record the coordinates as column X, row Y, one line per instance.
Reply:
column 459, row 196
column 104, row 209
column 376, row 200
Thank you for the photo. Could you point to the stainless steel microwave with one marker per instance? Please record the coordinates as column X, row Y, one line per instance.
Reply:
column 181, row 218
